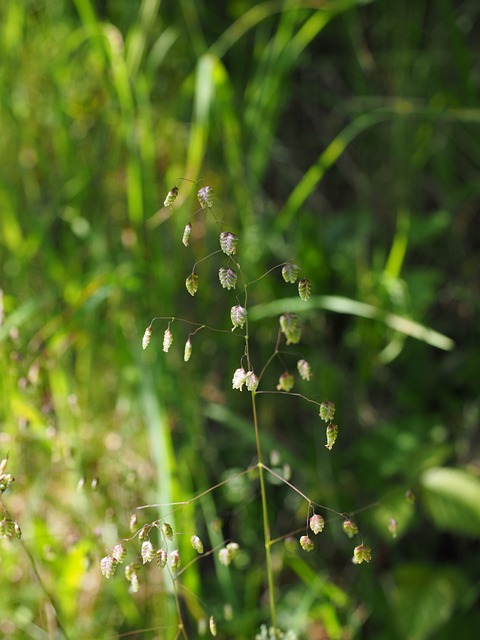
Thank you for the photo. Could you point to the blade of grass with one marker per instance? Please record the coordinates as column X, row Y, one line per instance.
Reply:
column 326, row 159
column 340, row 304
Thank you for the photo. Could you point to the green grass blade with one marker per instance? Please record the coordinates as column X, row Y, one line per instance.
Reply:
column 339, row 304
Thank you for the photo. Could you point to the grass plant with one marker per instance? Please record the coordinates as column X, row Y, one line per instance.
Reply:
column 342, row 135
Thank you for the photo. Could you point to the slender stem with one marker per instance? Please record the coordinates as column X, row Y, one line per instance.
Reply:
column 266, row 524
column 46, row 592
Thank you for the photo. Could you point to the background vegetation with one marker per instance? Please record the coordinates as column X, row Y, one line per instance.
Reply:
column 343, row 135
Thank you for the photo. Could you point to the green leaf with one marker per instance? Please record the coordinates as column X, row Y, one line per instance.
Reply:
column 452, row 497
column 425, row 599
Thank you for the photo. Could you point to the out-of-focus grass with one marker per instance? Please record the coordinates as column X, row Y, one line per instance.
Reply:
column 343, row 134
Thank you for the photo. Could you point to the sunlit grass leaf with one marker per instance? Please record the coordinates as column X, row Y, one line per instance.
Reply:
column 452, row 498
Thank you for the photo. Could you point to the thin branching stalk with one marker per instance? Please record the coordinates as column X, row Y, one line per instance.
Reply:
column 266, row 523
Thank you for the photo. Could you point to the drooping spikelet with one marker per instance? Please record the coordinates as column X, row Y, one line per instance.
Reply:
column 238, row 316
column 167, row 339
column 227, row 277
column 304, row 289
column 146, row 337
column 171, row 197
column 186, row 234
column 228, row 243
column 192, row 284
column 205, row 197
column 290, row 272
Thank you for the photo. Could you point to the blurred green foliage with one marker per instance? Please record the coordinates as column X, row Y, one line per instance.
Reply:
column 341, row 134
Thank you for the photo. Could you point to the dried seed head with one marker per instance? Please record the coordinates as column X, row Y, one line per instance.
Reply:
column 290, row 272
column 197, row 544
column 332, row 433
column 119, row 552
column 239, row 378
column 212, row 625
column 148, row 552
column 362, row 554
column 186, row 234
column 205, row 197
column 291, row 327
column 350, row 528
column 306, row 543
column 162, row 558
column 317, row 523
column 175, row 559
column 187, row 351
column 304, row 369
column 228, row 243
column 285, row 382
column 108, row 565
column 171, row 197
column 251, row 381
column 167, row 339
column 167, row 531
column 238, row 316
column 192, row 284
column 327, row 411
column 304, row 289
column 227, row 277
column 146, row 337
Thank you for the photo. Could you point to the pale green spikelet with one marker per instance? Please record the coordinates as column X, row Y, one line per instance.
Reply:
column 227, row 277
column 332, row 434
column 146, row 337
column 306, row 543
column 186, row 234
column 197, row 544
column 148, row 552
column 239, row 378
column 228, row 242
column 304, row 289
column 290, row 272
column 171, row 197
column 362, row 554
column 317, row 523
column 167, row 339
column 327, row 411
column 212, row 625
column 304, row 369
column 286, row 382
column 238, row 316
column 291, row 327
column 205, row 197
column 187, row 352
column 192, row 284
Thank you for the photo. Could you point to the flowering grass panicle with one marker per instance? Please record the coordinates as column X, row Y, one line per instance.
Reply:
column 167, row 553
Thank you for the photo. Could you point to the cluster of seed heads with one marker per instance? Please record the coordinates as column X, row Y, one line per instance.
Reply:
column 163, row 556
column 316, row 524
column 291, row 330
